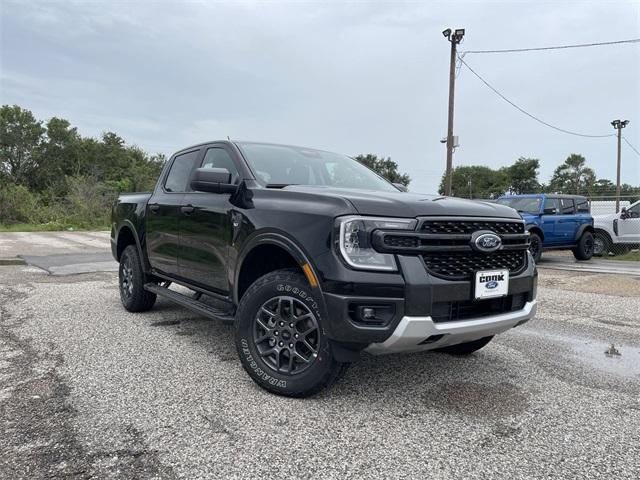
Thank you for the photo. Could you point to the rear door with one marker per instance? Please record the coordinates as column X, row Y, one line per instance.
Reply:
column 566, row 222
column 163, row 209
column 205, row 227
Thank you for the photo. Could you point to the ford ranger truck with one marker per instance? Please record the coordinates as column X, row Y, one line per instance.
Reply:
column 315, row 259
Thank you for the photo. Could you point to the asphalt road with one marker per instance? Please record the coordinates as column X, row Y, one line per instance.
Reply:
column 88, row 390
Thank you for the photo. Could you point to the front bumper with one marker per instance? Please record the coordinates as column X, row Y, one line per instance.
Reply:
column 421, row 333
column 410, row 293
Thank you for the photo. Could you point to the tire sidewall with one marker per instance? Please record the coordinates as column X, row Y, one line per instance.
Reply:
column 131, row 253
column 536, row 238
column 586, row 236
column 270, row 286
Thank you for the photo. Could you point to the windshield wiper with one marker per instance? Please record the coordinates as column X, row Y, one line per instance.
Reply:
column 279, row 185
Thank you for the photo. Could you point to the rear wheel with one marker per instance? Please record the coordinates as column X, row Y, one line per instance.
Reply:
column 280, row 338
column 601, row 244
column 131, row 279
column 466, row 348
column 584, row 250
column 535, row 247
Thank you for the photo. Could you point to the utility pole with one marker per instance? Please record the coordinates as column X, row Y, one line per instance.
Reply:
column 619, row 125
column 454, row 38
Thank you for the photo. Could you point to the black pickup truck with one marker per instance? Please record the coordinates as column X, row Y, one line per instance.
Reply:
column 314, row 259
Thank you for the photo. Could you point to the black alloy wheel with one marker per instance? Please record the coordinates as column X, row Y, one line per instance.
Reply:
column 286, row 335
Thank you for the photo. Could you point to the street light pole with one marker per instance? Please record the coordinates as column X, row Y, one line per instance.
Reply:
column 454, row 37
column 619, row 125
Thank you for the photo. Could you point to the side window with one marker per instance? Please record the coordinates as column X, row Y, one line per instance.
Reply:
column 582, row 205
column 553, row 203
column 220, row 158
column 567, row 206
column 634, row 212
column 180, row 171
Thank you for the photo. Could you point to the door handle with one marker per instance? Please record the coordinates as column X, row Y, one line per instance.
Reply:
column 187, row 209
column 154, row 207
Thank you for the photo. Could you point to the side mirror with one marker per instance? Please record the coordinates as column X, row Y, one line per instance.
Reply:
column 213, row 180
column 550, row 211
column 401, row 187
column 624, row 214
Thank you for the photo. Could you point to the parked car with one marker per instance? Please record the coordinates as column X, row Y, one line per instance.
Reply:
column 617, row 232
column 314, row 258
column 558, row 222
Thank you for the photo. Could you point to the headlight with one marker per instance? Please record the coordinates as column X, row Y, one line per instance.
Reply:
column 354, row 241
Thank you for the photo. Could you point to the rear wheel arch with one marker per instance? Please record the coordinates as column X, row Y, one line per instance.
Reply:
column 126, row 237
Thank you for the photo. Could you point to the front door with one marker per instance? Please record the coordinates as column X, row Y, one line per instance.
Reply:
column 163, row 210
column 629, row 227
column 549, row 221
column 205, row 228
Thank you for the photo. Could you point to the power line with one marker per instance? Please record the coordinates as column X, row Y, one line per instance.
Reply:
column 527, row 113
column 559, row 47
column 632, row 147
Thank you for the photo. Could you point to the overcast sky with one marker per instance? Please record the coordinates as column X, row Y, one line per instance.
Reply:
column 363, row 77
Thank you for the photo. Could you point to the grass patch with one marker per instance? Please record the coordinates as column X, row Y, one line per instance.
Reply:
column 631, row 256
column 47, row 227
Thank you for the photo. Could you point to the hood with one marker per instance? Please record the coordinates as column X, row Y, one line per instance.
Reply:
column 405, row 204
column 605, row 219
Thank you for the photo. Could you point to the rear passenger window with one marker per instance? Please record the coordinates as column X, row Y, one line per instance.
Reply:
column 582, row 205
column 180, row 171
column 567, row 206
column 220, row 158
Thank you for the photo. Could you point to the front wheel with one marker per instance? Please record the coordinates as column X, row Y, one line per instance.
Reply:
column 601, row 244
column 584, row 249
column 535, row 247
column 280, row 337
column 466, row 348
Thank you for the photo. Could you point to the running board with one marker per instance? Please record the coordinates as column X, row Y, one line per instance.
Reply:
column 190, row 303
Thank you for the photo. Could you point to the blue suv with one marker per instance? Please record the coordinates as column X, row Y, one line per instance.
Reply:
column 555, row 222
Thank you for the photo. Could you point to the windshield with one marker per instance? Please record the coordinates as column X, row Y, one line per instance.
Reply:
column 279, row 165
column 524, row 205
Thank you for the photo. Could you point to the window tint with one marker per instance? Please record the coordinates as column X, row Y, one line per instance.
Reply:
column 567, row 206
column 180, row 172
column 582, row 205
column 634, row 212
column 553, row 203
column 220, row 158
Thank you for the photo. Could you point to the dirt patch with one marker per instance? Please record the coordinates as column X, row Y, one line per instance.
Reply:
column 621, row 285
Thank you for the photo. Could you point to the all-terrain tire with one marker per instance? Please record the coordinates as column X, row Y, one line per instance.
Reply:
column 268, row 319
column 535, row 247
column 466, row 348
column 601, row 244
column 131, row 279
column 584, row 250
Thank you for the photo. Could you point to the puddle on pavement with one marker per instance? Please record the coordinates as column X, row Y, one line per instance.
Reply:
column 592, row 352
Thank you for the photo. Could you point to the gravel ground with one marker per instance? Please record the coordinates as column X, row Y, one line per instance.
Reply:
column 88, row 390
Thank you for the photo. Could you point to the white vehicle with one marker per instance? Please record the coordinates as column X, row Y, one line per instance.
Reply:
column 617, row 232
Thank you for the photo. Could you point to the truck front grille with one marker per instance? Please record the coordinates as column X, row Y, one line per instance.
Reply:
column 463, row 265
column 453, row 311
column 469, row 226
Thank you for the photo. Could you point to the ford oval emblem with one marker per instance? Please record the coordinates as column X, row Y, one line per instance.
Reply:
column 491, row 285
column 486, row 242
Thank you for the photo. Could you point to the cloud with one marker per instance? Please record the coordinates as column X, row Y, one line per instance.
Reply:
column 353, row 77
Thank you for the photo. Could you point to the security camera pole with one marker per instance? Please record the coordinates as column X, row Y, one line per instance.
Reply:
column 454, row 38
column 619, row 125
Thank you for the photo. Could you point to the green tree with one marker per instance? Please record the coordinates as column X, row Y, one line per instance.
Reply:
column 20, row 137
column 384, row 167
column 573, row 176
column 476, row 181
column 523, row 176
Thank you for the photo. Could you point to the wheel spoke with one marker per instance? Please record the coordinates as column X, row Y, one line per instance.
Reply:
column 269, row 352
column 262, row 325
